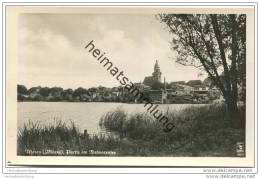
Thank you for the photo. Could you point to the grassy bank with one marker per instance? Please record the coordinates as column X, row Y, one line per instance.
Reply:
column 199, row 131
column 61, row 136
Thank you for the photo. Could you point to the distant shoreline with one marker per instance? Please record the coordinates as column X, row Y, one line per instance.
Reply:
column 103, row 102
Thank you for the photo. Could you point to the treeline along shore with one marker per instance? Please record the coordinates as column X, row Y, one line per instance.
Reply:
column 175, row 94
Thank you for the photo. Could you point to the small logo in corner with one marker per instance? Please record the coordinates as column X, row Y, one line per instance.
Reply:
column 240, row 149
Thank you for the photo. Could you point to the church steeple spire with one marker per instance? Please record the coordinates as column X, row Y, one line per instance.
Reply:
column 156, row 66
column 157, row 73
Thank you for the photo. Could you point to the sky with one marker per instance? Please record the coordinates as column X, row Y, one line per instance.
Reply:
column 51, row 49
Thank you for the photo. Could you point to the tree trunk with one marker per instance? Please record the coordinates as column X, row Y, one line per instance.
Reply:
column 233, row 113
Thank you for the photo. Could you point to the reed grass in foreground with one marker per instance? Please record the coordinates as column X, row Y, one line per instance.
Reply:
column 38, row 139
column 199, row 131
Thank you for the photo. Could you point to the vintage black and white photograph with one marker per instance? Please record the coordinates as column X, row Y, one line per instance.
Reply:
column 131, row 84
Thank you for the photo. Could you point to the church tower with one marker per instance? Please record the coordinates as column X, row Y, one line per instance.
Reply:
column 157, row 73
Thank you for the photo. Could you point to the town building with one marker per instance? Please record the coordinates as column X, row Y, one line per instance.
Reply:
column 158, row 96
column 156, row 76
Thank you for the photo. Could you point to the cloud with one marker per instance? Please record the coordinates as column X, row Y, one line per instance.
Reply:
column 51, row 49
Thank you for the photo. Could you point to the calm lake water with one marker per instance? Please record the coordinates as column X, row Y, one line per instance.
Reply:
column 85, row 115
